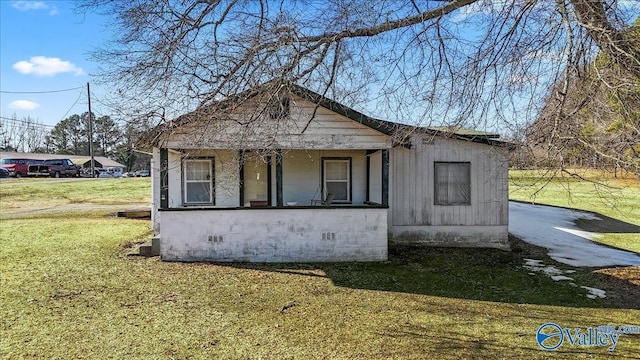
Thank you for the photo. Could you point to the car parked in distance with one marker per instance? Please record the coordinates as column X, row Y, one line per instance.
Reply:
column 54, row 168
column 18, row 167
column 142, row 173
column 4, row 173
column 111, row 172
column 86, row 172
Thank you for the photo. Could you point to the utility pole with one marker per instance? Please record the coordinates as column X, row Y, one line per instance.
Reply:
column 90, row 132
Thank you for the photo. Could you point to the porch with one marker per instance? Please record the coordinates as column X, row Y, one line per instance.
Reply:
column 245, row 178
column 251, row 205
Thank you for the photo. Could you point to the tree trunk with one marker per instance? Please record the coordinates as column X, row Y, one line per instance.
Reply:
column 616, row 44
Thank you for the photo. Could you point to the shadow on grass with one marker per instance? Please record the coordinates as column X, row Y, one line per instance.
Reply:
column 607, row 225
column 475, row 274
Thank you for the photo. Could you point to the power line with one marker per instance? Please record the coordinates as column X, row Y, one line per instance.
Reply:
column 30, row 123
column 71, row 107
column 40, row 92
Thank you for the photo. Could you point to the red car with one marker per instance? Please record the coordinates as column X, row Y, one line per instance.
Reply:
column 18, row 167
column 54, row 168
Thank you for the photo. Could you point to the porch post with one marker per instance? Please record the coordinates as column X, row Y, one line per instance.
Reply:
column 385, row 177
column 279, row 196
column 164, row 178
column 368, row 187
column 269, row 182
column 241, row 176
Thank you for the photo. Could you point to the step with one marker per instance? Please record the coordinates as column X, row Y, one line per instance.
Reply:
column 135, row 213
column 146, row 249
column 150, row 248
column 155, row 246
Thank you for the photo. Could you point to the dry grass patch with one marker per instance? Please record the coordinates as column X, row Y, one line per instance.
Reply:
column 69, row 291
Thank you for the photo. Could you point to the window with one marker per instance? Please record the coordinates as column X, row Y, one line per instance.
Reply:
column 452, row 183
column 337, row 179
column 198, row 181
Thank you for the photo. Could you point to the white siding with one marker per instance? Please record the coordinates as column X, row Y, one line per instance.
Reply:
column 307, row 128
column 225, row 176
column 300, row 176
column 302, row 170
column 413, row 212
column 413, row 184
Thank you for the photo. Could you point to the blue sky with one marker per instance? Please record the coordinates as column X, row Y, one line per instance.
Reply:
column 44, row 46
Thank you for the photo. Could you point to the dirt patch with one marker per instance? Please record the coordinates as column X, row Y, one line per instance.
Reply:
column 129, row 245
column 630, row 274
column 56, row 208
column 622, row 285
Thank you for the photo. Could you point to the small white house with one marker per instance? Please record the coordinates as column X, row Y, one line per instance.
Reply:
column 293, row 176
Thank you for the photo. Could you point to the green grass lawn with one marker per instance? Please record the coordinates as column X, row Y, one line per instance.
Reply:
column 70, row 291
column 588, row 190
column 76, row 190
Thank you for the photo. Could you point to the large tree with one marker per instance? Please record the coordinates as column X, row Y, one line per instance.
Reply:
column 107, row 136
column 69, row 136
column 484, row 64
column 595, row 122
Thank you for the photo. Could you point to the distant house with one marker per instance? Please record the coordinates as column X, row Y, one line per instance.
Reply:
column 298, row 177
column 79, row 160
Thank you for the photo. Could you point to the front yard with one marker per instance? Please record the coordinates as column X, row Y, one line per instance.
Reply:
column 69, row 290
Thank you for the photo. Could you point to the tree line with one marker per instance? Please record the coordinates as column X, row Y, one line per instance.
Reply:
column 592, row 120
column 71, row 137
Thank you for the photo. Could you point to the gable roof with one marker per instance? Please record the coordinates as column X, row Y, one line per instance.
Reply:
column 397, row 130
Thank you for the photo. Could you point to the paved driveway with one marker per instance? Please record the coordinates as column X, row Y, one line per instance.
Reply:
column 554, row 228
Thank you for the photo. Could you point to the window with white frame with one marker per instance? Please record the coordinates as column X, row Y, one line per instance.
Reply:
column 452, row 183
column 337, row 179
column 198, row 180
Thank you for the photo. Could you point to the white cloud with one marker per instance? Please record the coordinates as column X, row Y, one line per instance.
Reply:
column 46, row 66
column 34, row 6
column 23, row 105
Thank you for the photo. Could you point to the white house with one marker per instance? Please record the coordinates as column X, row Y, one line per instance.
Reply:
column 293, row 176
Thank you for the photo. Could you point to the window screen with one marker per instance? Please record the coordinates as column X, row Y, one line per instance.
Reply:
column 198, row 181
column 337, row 179
column 452, row 183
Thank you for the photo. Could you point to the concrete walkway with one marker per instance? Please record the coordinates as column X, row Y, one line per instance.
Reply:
column 554, row 229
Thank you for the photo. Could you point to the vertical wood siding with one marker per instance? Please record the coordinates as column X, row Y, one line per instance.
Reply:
column 413, row 184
